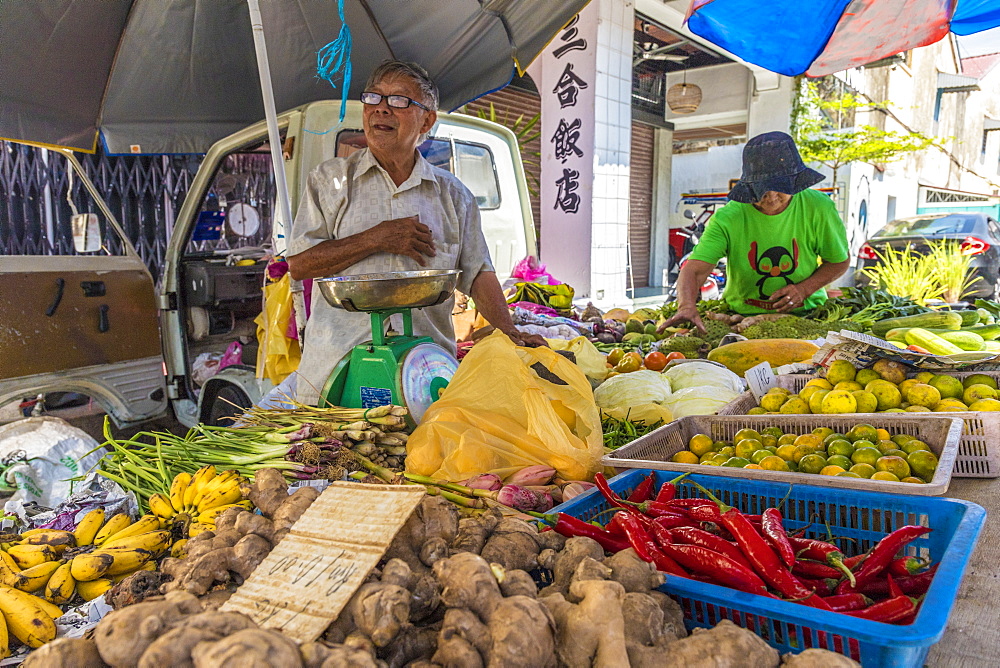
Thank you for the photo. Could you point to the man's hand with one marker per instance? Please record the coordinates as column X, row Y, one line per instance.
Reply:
column 684, row 314
column 405, row 236
column 526, row 340
column 789, row 297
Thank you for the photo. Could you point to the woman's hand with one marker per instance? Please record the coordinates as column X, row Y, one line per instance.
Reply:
column 684, row 314
column 789, row 297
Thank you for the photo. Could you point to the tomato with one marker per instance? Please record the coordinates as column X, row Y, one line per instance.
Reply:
column 655, row 361
column 629, row 362
column 675, row 355
column 615, row 356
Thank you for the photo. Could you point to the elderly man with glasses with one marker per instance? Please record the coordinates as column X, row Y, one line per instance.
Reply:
column 385, row 208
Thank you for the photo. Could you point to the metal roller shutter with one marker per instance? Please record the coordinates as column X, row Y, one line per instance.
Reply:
column 640, row 222
column 510, row 103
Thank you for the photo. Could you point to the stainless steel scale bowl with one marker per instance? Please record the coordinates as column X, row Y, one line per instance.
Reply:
column 389, row 290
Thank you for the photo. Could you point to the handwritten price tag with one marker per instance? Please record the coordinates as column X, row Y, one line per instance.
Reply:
column 308, row 578
column 760, row 379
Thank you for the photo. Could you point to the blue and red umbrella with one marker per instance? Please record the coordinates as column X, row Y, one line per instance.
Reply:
column 819, row 37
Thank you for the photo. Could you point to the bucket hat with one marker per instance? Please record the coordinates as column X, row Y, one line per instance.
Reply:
column 772, row 162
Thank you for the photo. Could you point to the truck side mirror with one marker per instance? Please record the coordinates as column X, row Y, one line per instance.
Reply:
column 689, row 214
column 86, row 232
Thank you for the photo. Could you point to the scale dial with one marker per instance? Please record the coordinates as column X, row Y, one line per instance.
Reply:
column 422, row 365
column 243, row 219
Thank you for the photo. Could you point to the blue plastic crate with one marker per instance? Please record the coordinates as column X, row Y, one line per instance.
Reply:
column 862, row 515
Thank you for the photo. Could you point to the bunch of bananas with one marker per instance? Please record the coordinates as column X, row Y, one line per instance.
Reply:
column 42, row 569
column 194, row 503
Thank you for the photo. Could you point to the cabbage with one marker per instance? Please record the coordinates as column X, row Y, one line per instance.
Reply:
column 698, row 401
column 697, row 373
column 632, row 389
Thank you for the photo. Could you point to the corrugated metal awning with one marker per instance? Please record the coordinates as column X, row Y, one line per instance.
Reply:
column 956, row 83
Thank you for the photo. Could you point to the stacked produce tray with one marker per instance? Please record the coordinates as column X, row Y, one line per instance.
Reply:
column 978, row 449
column 863, row 516
column 653, row 451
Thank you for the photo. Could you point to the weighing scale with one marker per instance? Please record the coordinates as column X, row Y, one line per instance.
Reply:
column 391, row 368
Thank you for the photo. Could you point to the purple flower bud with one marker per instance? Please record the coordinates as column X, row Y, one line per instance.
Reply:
column 532, row 476
column 517, row 497
column 487, row 481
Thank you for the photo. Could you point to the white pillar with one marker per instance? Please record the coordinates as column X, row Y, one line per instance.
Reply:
column 584, row 78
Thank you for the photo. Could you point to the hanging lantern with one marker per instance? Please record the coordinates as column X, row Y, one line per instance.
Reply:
column 683, row 98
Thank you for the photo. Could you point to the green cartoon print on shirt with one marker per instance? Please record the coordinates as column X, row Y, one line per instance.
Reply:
column 775, row 267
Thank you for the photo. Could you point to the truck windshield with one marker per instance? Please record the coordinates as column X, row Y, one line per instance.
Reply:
column 472, row 163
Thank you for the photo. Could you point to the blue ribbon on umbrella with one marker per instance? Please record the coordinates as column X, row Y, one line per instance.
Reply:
column 336, row 57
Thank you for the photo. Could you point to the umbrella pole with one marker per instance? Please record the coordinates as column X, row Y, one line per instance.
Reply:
column 282, row 221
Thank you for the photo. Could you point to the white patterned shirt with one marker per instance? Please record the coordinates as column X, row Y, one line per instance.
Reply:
column 345, row 196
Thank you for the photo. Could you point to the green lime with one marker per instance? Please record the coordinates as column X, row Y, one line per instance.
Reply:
column 886, row 446
column 840, row 447
column 773, row 463
column 792, row 465
column 863, row 443
column 914, row 445
column 736, row 462
column 863, row 470
column 899, row 439
column 862, row 432
column 923, row 463
column 728, row 451
column 894, row 465
column 895, row 452
column 839, row 460
column 848, row 474
column 718, row 445
column 747, row 447
column 759, row 455
column 746, row 433
column 866, row 456
column 772, row 431
column 812, row 463
column 773, row 449
column 833, row 437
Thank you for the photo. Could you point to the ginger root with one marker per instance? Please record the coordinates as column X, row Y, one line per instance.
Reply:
column 123, row 635
column 250, row 648
column 513, row 545
column 175, row 646
column 632, row 572
column 818, row 658
column 591, row 632
column 65, row 653
column 724, row 645
column 434, row 518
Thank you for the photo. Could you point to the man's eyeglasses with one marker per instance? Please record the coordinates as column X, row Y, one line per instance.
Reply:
column 395, row 101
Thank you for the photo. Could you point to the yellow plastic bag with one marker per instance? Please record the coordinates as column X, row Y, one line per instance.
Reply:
column 590, row 360
column 509, row 407
column 278, row 355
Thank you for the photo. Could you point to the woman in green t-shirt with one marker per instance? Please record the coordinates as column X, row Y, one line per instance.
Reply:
column 782, row 241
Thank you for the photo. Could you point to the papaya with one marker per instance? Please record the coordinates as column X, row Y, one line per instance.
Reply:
column 743, row 355
column 618, row 314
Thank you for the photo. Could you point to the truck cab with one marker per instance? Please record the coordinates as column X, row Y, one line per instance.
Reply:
column 101, row 339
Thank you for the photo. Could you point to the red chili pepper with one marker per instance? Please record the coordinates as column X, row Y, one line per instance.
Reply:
column 719, row 567
column 570, row 526
column 880, row 556
column 855, row 561
column 845, row 602
column 668, row 490
column 815, row 569
column 774, row 532
column 643, row 491
column 646, row 547
column 890, row 610
column 614, row 528
column 912, row 585
column 822, row 586
column 689, row 535
column 761, row 556
column 691, row 503
column 818, row 550
column 894, row 589
column 605, row 489
column 672, row 521
column 905, row 566
column 705, row 513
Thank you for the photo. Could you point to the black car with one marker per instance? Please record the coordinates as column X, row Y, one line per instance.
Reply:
column 977, row 233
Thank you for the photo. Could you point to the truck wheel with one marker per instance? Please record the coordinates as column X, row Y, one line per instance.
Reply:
column 223, row 408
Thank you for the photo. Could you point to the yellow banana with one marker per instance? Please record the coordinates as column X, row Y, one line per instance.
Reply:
column 126, row 561
column 177, row 490
column 4, row 639
column 209, row 515
column 179, row 549
column 201, row 477
column 144, row 524
column 87, row 567
column 160, row 506
column 148, row 566
column 8, row 569
column 90, row 590
column 26, row 617
column 61, row 587
column 230, row 493
column 154, row 541
column 199, row 527
column 89, row 526
column 218, row 481
column 27, row 556
column 111, row 527
column 51, row 609
column 34, row 578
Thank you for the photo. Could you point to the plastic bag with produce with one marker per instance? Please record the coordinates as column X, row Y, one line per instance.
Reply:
column 639, row 395
column 684, row 375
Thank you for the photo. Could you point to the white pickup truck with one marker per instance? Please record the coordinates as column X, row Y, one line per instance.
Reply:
column 78, row 308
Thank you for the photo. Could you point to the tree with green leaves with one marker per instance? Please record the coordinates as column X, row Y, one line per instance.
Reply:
column 525, row 131
column 825, row 132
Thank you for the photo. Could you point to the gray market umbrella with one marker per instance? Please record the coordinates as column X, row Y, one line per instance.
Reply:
column 174, row 76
